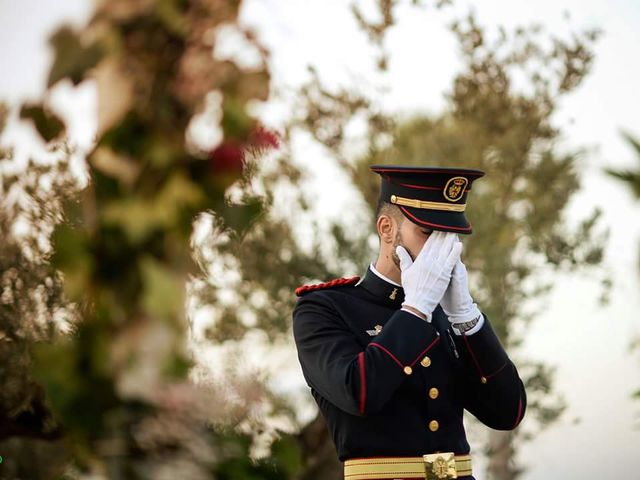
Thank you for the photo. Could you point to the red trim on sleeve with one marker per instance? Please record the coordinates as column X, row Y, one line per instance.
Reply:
column 363, row 384
column 473, row 356
column 475, row 360
column 519, row 415
column 425, row 351
column 373, row 344
column 462, row 229
column 497, row 371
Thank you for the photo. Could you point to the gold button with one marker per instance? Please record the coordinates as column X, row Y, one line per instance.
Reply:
column 483, row 380
column 433, row 393
column 434, row 425
column 426, row 361
column 408, row 370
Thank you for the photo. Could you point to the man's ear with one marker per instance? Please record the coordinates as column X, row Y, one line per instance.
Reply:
column 386, row 228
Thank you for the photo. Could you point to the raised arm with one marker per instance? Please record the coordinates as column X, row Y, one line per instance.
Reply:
column 355, row 379
column 494, row 392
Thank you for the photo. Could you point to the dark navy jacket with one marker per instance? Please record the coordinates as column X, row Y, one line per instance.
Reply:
column 355, row 344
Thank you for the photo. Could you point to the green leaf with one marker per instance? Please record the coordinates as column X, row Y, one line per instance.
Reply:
column 633, row 141
column 72, row 258
column 287, row 456
column 630, row 177
column 170, row 14
column 240, row 217
column 71, row 58
column 163, row 290
column 77, row 387
column 139, row 216
column 236, row 122
column 177, row 366
column 48, row 125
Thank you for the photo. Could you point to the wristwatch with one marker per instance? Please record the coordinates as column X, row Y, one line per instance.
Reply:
column 466, row 326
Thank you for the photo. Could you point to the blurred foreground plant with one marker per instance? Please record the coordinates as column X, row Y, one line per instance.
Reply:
column 118, row 384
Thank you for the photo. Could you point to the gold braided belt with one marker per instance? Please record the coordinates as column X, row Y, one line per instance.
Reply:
column 435, row 466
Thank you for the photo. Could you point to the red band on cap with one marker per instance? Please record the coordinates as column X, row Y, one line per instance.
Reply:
column 422, row 187
column 422, row 170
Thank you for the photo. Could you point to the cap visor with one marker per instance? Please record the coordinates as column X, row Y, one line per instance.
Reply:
column 437, row 220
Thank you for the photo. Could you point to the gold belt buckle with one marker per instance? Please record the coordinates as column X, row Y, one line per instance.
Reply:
column 440, row 465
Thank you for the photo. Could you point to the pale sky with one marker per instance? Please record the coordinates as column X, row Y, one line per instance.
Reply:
column 587, row 343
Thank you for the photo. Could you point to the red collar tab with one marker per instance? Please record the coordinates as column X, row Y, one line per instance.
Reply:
column 321, row 286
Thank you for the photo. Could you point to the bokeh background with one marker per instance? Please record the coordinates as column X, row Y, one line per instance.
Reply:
column 258, row 120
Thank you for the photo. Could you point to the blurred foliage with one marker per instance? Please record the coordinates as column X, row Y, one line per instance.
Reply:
column 631, row 178
column 114, row 385
column 33, row 310
column 49, row 126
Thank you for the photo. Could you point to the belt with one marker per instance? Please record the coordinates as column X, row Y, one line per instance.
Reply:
column 434, row 466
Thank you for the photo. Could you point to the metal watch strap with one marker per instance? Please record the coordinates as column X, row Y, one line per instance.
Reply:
column 466, row 326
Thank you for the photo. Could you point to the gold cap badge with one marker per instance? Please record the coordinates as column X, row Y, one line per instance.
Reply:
column 454, row 188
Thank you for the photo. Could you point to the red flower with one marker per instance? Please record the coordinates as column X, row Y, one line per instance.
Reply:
column 262, row 138
column 227, row 157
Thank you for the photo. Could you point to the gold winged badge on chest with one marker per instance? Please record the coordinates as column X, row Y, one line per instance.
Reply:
column 376, row 330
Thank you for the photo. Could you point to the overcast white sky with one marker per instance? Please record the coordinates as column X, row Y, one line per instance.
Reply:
column 588, row 343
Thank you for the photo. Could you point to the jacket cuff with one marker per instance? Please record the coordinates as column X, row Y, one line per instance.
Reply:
column 486, row 352
column 406, row 338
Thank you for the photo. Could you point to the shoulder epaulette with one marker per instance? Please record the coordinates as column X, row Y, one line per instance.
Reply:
column 333, row 283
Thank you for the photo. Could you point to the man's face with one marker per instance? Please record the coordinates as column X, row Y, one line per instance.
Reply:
column 411, row 237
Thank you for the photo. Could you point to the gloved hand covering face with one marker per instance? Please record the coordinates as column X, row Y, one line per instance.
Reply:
column 426, row 278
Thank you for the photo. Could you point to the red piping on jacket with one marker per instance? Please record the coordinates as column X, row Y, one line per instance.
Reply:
column 473, row 356
column 425, row 351
column 363, row 384
column 497, row 371
column 518, row 416
column 475, row 360
column 373, row 344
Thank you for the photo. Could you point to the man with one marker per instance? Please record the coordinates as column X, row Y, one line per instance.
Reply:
column 394, row 358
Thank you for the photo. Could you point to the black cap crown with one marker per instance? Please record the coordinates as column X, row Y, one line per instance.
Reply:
column 432, row 197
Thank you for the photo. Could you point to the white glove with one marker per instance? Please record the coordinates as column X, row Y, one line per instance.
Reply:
column 426, row 278
column 456, row 301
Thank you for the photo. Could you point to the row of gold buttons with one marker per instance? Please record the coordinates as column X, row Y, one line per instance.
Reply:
column 433, row 394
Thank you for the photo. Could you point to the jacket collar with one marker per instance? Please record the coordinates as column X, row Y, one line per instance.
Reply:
column 385, row 291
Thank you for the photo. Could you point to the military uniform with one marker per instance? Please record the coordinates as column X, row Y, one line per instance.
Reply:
column 390, row 384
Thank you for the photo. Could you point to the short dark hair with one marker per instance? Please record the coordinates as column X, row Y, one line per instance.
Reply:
column 386, row 208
